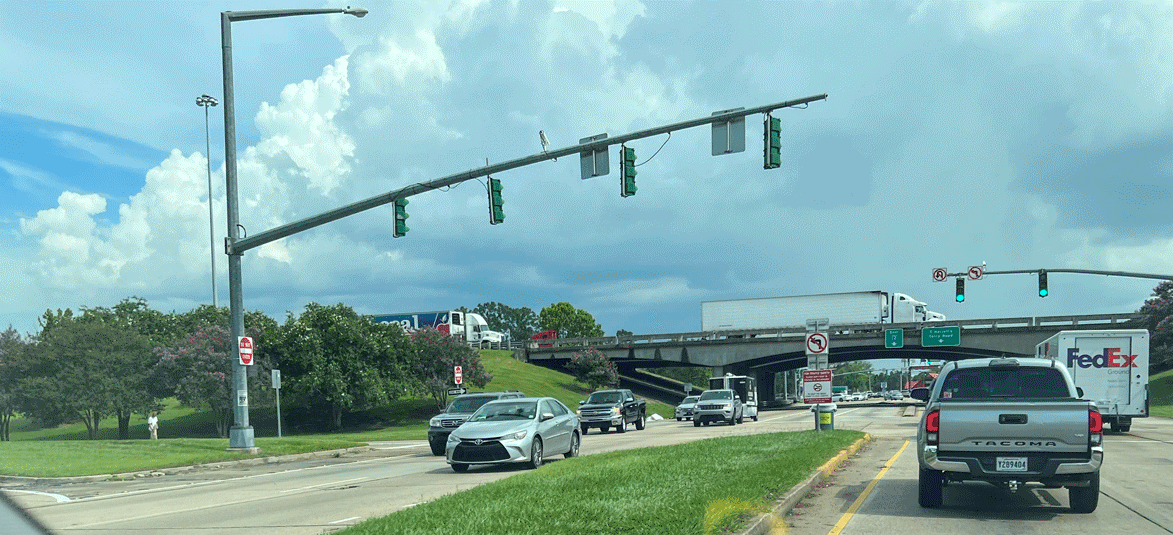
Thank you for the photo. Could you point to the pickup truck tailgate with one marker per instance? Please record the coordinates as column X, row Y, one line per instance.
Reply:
column 1022, row 427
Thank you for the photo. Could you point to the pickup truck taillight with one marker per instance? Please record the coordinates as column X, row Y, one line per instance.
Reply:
column 1095, row 427
column 932, row 426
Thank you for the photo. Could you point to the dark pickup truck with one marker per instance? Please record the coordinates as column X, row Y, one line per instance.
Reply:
column 611, row 408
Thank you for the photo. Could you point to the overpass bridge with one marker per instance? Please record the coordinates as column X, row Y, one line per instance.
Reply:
column 763, row 352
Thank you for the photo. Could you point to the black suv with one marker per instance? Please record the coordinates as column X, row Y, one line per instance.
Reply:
column 441, row 425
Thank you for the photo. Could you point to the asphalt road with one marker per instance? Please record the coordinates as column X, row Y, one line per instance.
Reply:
column 1136, row 490
column 324, row 494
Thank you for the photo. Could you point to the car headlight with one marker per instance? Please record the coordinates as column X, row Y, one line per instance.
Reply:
column 452, row 438
column 516, row 436
column 434, row 422
column 578, row 412
column 614, row 411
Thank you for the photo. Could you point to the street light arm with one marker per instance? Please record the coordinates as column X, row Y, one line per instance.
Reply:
column 274, row 13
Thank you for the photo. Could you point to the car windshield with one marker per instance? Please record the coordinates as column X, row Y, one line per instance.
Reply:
column 506, row 410
column 990, row 383
column 468, row 404
column 689, row 399
column 716, row 394
column 605, row 397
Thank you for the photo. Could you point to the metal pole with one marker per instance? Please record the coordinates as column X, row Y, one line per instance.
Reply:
column 278, row 412
column 206, row 101
column 240, row 436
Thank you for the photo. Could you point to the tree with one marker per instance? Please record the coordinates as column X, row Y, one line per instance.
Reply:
column 84, row 368
column 434, row 355
column 1158, row 319
column 518, row 323
column 569, row 322
column 333, row 356
column 592, row 367
column 198, row 372
column 11, row 347
column 623, row 332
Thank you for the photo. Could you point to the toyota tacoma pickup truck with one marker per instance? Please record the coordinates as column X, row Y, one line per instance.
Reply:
column 605, row 409
column 1009, row 421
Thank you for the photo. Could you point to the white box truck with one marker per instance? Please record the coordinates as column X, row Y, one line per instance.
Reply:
column 1112, row 368
column 793, row 311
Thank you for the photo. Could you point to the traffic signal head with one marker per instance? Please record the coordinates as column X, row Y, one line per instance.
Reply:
column 960, row 289
column 1043, row 283
column 400, row 218
column 496, row 214
column 773, row 145
column 628, row 175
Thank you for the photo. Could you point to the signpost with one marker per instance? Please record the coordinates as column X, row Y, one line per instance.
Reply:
column 940, row 336
column 893, row 338
column 277, row 389
column 244, row 346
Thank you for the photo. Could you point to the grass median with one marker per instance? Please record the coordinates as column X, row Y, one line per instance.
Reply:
column 705, row 487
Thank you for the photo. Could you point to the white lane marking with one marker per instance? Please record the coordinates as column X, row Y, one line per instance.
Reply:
column 325, row 484
column 57, row 497
column 346, row 520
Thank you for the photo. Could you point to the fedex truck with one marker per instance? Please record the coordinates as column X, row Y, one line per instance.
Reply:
column 1112, row 368
column 468, row 326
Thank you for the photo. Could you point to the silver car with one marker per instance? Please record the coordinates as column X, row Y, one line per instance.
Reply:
column 686, row 408
column 524, row 430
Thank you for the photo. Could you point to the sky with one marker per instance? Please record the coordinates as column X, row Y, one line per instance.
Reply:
column 1021, row 135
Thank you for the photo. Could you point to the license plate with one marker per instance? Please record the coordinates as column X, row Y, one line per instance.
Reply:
column 1011, row 464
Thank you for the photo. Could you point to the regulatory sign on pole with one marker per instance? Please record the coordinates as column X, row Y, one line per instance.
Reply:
column 817, row 348
column 940, row 274
column 459, row 377
column 244, row 346
column 976, row 272
column 816, row 386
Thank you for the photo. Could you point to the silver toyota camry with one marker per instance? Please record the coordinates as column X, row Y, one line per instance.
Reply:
column 525, row 430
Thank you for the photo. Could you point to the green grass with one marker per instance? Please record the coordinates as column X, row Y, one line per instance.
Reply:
column 1161, row 394
column 702, row 487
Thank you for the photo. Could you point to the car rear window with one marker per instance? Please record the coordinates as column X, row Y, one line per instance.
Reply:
column 1002, row 383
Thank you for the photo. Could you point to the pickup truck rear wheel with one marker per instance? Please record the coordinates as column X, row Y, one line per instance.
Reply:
column 640, row 423
column 931, row 487
column 1085, row 499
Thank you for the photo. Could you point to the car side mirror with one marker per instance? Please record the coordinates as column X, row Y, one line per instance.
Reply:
column 1079, row 391
column 546, row 416
column 921, row 394
column 581, row 402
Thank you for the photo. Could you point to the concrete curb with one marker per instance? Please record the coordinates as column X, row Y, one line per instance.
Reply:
column 159, row 472
column 766, row 522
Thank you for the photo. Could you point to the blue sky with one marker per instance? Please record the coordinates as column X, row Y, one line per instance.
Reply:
column 1023, row 135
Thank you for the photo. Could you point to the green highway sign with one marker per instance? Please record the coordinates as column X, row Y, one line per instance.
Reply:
column 940, row 336
column 893, row 338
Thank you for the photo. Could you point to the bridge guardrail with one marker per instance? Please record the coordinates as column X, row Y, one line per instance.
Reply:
column 841, row 330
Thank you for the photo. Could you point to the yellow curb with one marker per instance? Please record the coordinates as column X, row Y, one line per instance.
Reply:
column 774, row 521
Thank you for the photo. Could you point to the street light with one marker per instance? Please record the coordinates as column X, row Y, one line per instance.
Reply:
column 240, row 436
column 205, row 102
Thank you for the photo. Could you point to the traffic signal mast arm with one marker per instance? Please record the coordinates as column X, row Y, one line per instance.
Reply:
column 240, row 245
column 1063, row 270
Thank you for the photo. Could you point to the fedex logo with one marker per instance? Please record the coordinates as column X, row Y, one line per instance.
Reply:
column 1110, row 358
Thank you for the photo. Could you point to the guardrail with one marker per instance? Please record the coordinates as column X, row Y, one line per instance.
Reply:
column 862, row 329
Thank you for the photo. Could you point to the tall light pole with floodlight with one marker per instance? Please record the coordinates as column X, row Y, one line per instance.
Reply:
column 205, row 101
column 240, row 436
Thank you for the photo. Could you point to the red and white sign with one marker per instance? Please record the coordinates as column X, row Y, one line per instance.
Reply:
column 976, row 272
column 817, row 344
column 816, row 386
column 940, row 274
column 459, row 376
column 244, row 346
